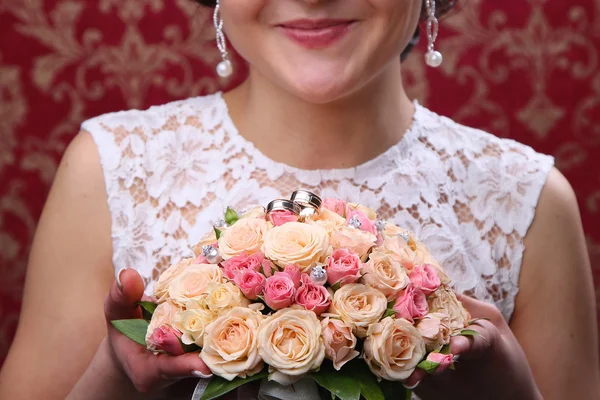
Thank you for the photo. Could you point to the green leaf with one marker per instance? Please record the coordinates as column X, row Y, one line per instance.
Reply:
column 218, row 386
column 217, row 233
column 148, row 309
column 369, row 388
column 231, row 217
column 394, row 390
column 445, row 349
column 134, row 329
column 337, row 286
column 337, row 382
column 189, row 348
column 389, row 313
column 428, row 366
column 471, row 332
column 474, row 321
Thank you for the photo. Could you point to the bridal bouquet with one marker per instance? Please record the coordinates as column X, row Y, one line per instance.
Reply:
column 306, row 288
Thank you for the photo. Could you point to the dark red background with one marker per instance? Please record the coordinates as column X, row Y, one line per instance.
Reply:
column 521, row 69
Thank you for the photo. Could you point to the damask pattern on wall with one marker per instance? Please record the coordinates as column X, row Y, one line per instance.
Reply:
column 528, row 70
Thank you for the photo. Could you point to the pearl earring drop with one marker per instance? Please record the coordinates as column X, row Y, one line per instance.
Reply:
column 225, row 67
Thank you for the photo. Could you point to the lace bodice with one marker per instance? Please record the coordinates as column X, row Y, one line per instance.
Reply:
column 171, row 170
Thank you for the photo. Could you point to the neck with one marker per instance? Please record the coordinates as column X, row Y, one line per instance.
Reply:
column 340, row 134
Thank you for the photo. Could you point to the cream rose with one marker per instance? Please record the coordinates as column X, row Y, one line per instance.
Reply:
column 359, row 305
column 223, row 296
column 371, row 214
column 254, row 212
column 192, row 323
column 231, row 344
column 353, row 239
column 393, row 349
column 339, row 340
column 161, row 287
column 290, row 342
column 192, row 283
column 296, row 243
column 385, row 274
column 328, row 220
column 444, row 301
column 398, row 249
column 434, row 331
column 163, row 315
column 246, row 235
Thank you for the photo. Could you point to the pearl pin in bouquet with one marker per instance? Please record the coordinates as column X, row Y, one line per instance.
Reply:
column 306, row 288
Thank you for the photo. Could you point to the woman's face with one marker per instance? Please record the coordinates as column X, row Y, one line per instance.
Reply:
column 320, row 50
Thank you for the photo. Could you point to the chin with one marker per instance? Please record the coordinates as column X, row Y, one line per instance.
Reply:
column 321, row 87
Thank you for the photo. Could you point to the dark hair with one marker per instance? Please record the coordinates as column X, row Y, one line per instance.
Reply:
column 442, row 7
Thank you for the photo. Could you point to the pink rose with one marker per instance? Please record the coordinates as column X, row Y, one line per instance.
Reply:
column 339, row 341
column 313, row 297
column 294, row 273
column 268, row 267
column 166, row 339
column 411, row 304
column 444, row 361
column 280, row 217
column 279, row 291
column 251, row 283
column 335, row 205
column 425, row 278
column 343, row 266
column 365, row 223
column 241, row 263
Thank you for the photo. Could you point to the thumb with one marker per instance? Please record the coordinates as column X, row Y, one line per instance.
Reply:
column 120, row 301
column 477, row 308
column 182, row 366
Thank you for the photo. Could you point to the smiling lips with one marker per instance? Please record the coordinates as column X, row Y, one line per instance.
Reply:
column 316, row 34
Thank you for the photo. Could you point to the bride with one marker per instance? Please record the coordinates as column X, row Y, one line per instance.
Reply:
column 323, row 109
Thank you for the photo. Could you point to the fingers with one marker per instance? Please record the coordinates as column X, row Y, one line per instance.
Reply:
column 414, row 379
column 120, row 303
column 474, row 346
column 185, row 365
column 479, row 309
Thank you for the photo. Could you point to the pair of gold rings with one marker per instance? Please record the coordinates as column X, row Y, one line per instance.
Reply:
column 302, row 203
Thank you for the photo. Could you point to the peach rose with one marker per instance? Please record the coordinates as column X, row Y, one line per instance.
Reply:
column 246, row 235
column 327, row 219
column 339, row 341
column 207, row 240
column 163, row 315
column 393, row 349
column 290, row 343
column 444, row 301
column 298, row 244
column 434, row 331
column 193, row 323
column 356, row 240
column 343, row 267
column 369, row 213
column 192, row 283
column 399, row 250
column 231, row 344
column 161, row 287
column 335, row 205
column 223, row 296
column 359, row 305
column 254, row 212
column 385, row 274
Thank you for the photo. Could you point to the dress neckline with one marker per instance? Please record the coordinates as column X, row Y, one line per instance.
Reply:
column 388, row 160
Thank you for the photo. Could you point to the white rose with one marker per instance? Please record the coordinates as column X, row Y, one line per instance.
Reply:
column 192, row 283
column 393, row 348
column 296, row 243
column 192, row 323
column 223, row 296
column 359, row 305
column 327, row 219
column 385, row 274
column 246, row 235
column 290, row 342
column 231, row 344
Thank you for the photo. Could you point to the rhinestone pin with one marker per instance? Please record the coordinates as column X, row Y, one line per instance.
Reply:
column 355, row 222
column 318, row 275
column 220, row 224
column 380, row 225
column 404, row 235
column 210, row 253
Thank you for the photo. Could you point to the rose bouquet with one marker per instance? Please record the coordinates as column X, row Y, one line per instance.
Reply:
column 306, row 289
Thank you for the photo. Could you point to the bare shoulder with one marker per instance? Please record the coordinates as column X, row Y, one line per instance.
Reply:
column 68, row 274
column 555, row 307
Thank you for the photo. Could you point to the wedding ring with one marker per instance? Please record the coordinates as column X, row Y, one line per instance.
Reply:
column 284, row 205
column 308, row 201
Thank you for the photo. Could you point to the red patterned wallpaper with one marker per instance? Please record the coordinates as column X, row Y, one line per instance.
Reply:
column 526, row 70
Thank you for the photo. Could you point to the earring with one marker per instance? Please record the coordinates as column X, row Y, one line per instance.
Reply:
column 225, row 68
column 433, row 58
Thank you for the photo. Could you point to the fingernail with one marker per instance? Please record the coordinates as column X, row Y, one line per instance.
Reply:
column 411, row 387
column 119, row 284
column 455, row 358
column 199, row 374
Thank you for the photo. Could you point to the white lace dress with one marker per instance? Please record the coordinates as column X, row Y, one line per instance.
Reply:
column 171, row 170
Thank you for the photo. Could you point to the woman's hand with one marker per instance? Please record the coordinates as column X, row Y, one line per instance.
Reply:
column 490, row 366
column 149, row 373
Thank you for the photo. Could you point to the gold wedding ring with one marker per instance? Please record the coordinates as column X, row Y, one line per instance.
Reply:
column 284, row 205
column 308, row 201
